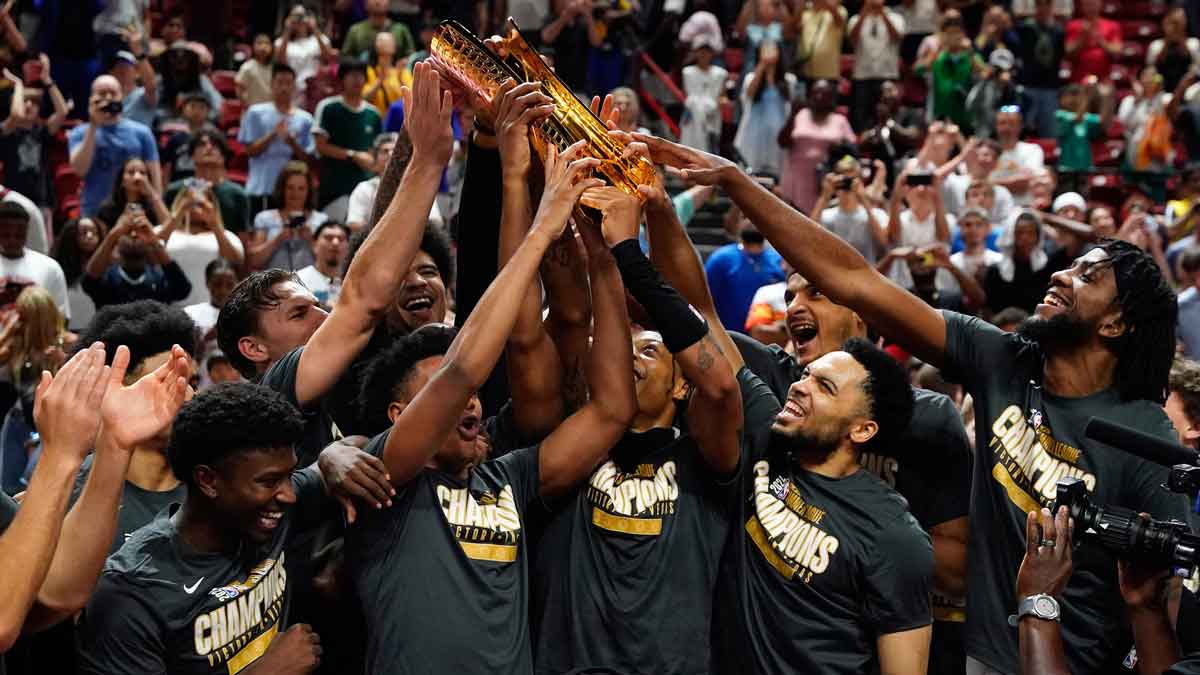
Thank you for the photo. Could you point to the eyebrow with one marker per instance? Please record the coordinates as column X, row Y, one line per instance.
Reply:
column 827, row 383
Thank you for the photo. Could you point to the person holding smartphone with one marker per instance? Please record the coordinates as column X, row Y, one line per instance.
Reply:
column 100, row 147
column 283, row 236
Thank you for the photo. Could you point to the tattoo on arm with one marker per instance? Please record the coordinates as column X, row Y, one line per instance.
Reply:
column 558, row 253
column 390, row 181
column 704, row 358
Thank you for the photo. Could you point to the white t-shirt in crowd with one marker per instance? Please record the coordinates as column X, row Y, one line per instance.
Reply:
column 204, row 315
column 877, row 55
column 35, row 234
column 920, row 18
column 362, row 200
column 325, row 288
column 193, row 252
column 304, row 56
column 36, row 269
column 854, row 228
column 1022, row 156
column 974, row 264
column 919, row 233
column 1062, row 8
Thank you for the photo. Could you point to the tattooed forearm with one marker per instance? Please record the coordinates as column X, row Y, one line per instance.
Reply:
column 704, row 355
column 390, row 180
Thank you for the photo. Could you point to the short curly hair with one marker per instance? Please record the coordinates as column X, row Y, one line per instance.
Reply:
column 386, row 375
column 146, row 327
column 1185, row 381
column 434, row 241
column 887, row 388
column 228, row 419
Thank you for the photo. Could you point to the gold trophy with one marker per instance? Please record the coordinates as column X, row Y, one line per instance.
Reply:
column 461, row 55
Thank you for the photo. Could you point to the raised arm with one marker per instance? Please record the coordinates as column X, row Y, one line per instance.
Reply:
column 378, row 270
column 535, row 376
column 573, row 450
column 61, row 109
column 132, row 415
column 815, row 253
column 102, row 258
column 66, row 411
column 418, row 430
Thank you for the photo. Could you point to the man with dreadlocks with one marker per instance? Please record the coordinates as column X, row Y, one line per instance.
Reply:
column 1100, row 344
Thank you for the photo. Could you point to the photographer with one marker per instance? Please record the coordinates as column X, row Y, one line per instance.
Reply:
column 283, row 236
column 143, row 271
column 1044, row 573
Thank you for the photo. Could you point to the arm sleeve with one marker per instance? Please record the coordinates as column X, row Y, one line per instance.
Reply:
column 520, row 468
column 249, row 132
column 899, row 577
column 96, row 289
column 149, row 147
column 75, row 137
column 312, row 503
column 119, row 634
column 176, row 286
column 359, row 208
column 281, row 377
column 974, row 347
column 759, row 408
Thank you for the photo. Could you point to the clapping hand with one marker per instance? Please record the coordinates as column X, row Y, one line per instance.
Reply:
column 66, row 408
column 140, row 412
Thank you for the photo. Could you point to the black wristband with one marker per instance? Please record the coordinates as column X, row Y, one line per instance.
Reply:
column 679, row 324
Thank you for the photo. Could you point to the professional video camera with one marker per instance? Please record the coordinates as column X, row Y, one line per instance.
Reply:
column 1122, row 531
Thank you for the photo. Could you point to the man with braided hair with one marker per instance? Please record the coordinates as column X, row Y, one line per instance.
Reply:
column 1100, row 344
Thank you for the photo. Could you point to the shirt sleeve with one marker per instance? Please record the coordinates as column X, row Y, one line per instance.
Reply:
column 75, row 137
column 359, row 208
column 56, row 283
column 973, row 347
column 759, row 408
column 97, row 289
column 520, row 467
column 395, row 117
column 899, row 577
column 149, row 147
column 281, row 377
column 119, row 634
column 938, row 428
column 249, row 131
column 313, row 504
column 305, row 138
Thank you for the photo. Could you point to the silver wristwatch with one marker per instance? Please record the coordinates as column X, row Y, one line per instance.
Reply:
column 1039, row 606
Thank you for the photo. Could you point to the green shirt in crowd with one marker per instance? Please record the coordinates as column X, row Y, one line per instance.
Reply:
column 1075, row 136
column 346, row 128
column 361, row 36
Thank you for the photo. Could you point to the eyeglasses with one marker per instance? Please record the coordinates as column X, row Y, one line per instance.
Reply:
column 1010, row 109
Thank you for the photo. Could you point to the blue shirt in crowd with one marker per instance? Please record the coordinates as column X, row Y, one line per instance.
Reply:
column 261, row 120
column 114, row 145
column 734, row 274
column 1188, row 330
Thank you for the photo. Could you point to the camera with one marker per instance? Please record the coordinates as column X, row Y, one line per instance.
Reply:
column 296, row 221
column 1125, row 533
column 917, row 179
column 112, row 108
column 845, row 183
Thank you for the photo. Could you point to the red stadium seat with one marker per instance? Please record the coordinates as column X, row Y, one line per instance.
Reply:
column 1049, row 147
column 847, row 65
column 1106, row 153
column 734, row 57
column 66, row 182
column 239, row 160
column 224, row 81
column 231, row 113
column 1141, row 30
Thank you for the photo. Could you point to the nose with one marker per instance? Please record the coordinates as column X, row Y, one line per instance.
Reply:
column 285, row 495
column 1061, row 278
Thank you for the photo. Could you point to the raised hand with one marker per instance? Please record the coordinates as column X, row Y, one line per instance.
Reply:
column 566, row 179
column 622, row 213
column 655, row 193
column 1047, row 565
column 608, row 112
column 352, row 475
column 690, row 164
column 517, row 107
column 66, row 408
column 427, row 116
column 143, row 411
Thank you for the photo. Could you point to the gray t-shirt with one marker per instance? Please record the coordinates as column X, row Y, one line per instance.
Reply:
column 1026, row 439
column 854, row 228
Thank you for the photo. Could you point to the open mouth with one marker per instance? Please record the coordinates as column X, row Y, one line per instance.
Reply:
column 421, row 303
column 469, row 427
column 792, row 411
column 803, row 332
column 269, row 520
column 1053, row 299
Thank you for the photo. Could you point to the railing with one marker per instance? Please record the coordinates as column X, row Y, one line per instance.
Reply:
column 651, row 103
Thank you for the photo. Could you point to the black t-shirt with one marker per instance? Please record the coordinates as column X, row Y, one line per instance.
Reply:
column 25, row 153
column 1025, row 291
column 626, row 569
column 342, row 401
column 1040, row 52
column 8, row 511
column 318, row 427
column 442, row 575
column 138, row 507
column 176, row 156
column 571, row 55
column 161, row 606
column 816, row 568
column 1026, row 440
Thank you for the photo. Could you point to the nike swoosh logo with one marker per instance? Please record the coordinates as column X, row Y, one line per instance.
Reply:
column 192, row 589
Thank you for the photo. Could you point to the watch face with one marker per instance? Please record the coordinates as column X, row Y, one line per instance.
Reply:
column 1045, row 606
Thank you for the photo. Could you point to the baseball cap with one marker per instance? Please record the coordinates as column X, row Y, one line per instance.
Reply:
column 1069, row 199
column 1002, row 59
column 125, row 57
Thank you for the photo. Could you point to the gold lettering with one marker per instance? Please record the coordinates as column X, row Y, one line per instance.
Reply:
column 203, row 639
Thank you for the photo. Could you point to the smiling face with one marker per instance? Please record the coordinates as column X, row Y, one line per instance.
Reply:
column 251, row 490
column 422, row 298
column 827, row 407
column 464, row 447
column 815, row 323
column 1080, row 305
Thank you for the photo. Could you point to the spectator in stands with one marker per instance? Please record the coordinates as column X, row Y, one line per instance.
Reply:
column 133, row 191
column 1077, row 129
column 362, row 199
column 210, row 154
column 34, row 339
column 345, row 128
column 571, row 34
column 254, row 77
column 979, row 158
column 180, row 75
column 1022, row 277
column 995, row 33
column 1175, row 53
column 142, row 271
column 274, row 133
column 1183, row 401
column 704, row 84
column 114, row 22
column 100, row 147
column 219, row 370
column 73, row 248
column 220, row 276
column 875, row 34
column 767, row 319
column 760, row 22
column 995, row 90
column 1071, row 243
column 1189, row 303
column 852, row 217
column 385, row 73
column 324, row 276
column 1042, row 47
column 820, row 27
column 920, row 21
column 1144, row 114
column 283, row 237
column 736, row 271
column 131, row 67
column 196, row 236
column 361, row 37
column 36, row 237
column 1019, row 161
column 1092, row 42
column 951, row 68
column 974, row 225
column 302, row 46
column 1100, row 219
column 174, row 29
column 20, row 266
column 177, row 161
column 897, row 130
column 924, row 222
column 807, row 137
column 25, row 137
